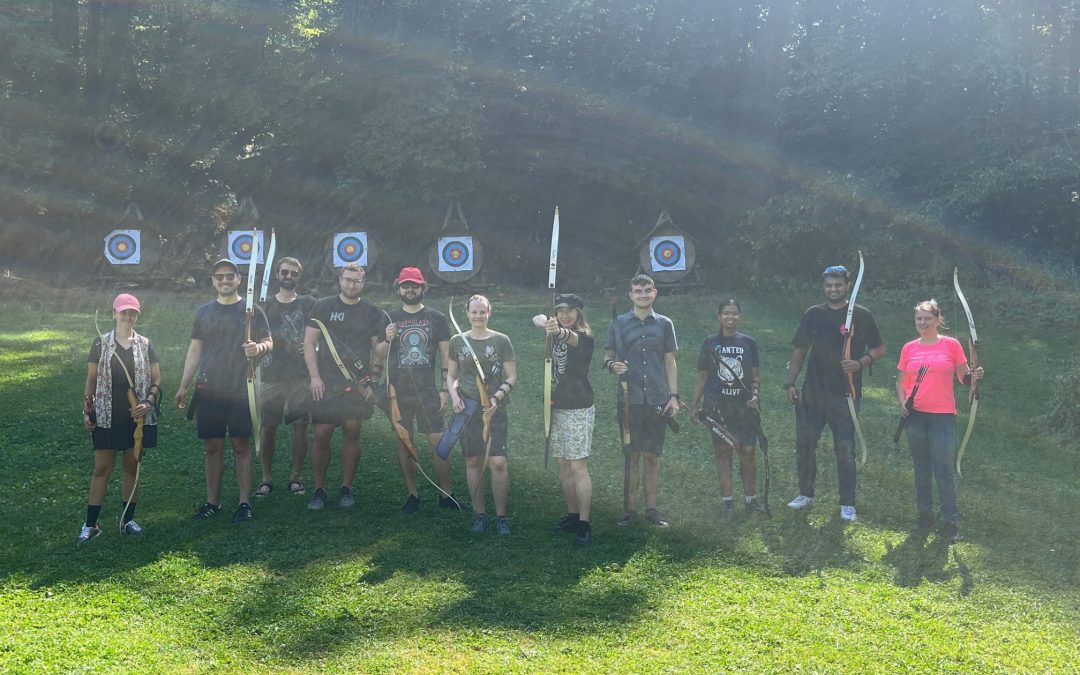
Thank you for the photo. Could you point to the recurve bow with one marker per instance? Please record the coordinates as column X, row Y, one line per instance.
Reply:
column 973, row 362
column 481, row 385
column 549, row 369
column 849, row 332
column 249, row 316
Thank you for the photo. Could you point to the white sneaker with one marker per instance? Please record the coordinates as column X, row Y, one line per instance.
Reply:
column 800, row 502
column 87, row 533
column 132, row 528
column 847, row 513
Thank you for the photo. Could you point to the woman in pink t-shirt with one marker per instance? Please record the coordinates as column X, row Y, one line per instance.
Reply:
column 931, row 424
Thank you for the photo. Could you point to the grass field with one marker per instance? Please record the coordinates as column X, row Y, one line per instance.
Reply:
column 375, row 590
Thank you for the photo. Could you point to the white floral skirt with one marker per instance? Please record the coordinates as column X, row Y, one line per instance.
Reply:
column 571, row 432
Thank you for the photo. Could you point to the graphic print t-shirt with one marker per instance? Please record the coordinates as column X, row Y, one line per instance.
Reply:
column 570, row 367
column 287, row 323
column 416, row 349
column 740, row 353
column 492, row 352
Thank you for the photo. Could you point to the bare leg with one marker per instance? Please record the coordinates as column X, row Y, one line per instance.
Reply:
column 299, row 448
column 320, row 454
column 266, row 457
column 104, row 462
column 215, row 467
column 723, row 466
column 350, row 451
column 748, row 469
column 566, row 479
column 582, row 487
column 128, row 477
column 442, row 467
column 408, row 468
column 474, row 472
column 241, row 448
column 500, row 484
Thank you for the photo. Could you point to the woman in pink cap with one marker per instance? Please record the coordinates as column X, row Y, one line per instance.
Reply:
column 120, row 360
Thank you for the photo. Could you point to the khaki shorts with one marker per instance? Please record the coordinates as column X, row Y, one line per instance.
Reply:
column 277, row 397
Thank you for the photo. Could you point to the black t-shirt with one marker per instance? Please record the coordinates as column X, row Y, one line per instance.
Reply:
column 415, row 349
column 351, row 327
column 740, row 353
column 223, row 366
column 820, row 332
column 119, row 379
column 288, row 321
column 570, row 367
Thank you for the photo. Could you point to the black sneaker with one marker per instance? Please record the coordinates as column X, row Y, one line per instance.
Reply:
column 568, row 523
column 243, row 513
column 584, row 534
column 755, row 506
column 448, row 503
column 653, row 517
column 479, row 525
column 951, row 532
column 412, row 504
column 926, row 520
column 317, row 501
column 628, row 519
column 207, row 511
column 727, row 509
column 502, row 526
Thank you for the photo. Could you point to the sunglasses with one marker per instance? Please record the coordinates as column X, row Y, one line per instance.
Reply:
column 835, row 269
column 288, row 273
column 226, row 276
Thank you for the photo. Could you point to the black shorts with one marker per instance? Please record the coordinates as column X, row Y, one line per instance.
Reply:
column 423, row 410
column 123, row 438
column 336, row 408
column 218, row 416
column 472, row 438
column 276, row 397
column 647, row 428
column 736, row 418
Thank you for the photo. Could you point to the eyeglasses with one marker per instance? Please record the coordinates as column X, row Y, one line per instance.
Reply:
column 288, row 273
column 346, row 280
column 226, row 276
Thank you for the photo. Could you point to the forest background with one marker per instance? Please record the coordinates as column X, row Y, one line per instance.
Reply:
column 782, row 135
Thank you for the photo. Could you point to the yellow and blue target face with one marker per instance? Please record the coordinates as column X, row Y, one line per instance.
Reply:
column 350, row 247
column 668, row 254
column 241, row 245
column 123, row 247
column 455, row 254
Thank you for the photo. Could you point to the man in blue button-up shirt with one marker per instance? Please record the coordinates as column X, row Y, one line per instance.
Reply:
column 640, row 348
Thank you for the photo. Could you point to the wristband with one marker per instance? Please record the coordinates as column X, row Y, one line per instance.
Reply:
column 674, row 396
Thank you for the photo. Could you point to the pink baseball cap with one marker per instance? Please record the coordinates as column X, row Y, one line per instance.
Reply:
column 126, row 301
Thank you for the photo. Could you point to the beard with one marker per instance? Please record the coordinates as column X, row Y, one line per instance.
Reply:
column 289, row 283
column 411, row 297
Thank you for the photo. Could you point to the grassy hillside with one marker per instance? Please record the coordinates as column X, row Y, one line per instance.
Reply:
column 372, row 589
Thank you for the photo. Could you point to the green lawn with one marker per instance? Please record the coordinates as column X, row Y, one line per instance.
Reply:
column 375, row 590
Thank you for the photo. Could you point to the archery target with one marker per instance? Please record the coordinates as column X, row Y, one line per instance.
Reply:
column 455, row 254
column 350, row 247
column 240, row 244
column 123, row 247
column 668, row 253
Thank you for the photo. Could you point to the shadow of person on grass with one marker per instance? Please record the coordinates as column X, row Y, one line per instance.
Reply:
column 924, row 557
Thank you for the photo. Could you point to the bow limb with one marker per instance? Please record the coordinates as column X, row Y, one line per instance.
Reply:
column 249, row 316
column 849, row 333
column 137, row 451
column 485, row 398
column 973, row 362
column 549, row 374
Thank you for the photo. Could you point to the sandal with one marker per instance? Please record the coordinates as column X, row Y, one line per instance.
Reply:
column 296, row 486
column 264, row 489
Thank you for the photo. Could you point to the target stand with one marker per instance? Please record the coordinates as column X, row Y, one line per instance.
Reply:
column 456, row 256
column 667, row 254
column 131, row 252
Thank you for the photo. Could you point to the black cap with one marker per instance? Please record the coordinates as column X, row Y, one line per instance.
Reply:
column 226, row 261
column 569, row 300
